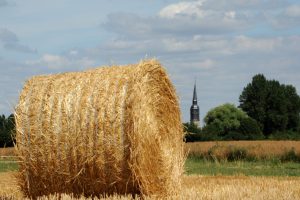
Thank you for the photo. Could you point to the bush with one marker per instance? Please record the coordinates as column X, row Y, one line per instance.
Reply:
column 236, row 154
column 290, row 156
column 227, row 153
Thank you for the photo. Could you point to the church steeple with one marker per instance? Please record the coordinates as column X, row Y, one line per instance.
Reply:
column 194, row 111
column 195, row 96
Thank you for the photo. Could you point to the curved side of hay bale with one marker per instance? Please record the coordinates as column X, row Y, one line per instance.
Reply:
column 103, row 131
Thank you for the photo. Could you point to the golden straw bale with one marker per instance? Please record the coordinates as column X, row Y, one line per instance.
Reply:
column 102, row 131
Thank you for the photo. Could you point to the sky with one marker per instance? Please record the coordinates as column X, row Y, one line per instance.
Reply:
column 220, row 44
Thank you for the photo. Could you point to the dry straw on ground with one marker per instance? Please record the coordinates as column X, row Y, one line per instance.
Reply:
column 103, row 131
column 7, row 151
column 194, row 187
column 257, row 149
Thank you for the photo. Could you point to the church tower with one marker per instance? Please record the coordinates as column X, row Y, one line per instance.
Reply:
column 195, row 109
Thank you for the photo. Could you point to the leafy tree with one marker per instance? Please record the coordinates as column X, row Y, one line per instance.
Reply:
column 227, row 122
column 293, row 108
column 276, row 118
column 276, row 107
column 252, row 99
column 224, row 118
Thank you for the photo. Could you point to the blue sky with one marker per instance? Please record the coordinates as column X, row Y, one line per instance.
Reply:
column 220, row 43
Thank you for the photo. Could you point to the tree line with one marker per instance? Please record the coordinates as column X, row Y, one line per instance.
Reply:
column 267, row 110
column 7, row 130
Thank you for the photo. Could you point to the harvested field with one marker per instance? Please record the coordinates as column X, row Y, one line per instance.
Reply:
column 9, row 151
column 259, row 149
column 203, row 187
column 8, row 185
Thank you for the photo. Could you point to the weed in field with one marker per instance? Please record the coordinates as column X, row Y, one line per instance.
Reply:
column 237, row 154
column 290, row 156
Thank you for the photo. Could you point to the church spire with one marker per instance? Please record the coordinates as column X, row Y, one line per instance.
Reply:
column 195, row 95
column 194, row 111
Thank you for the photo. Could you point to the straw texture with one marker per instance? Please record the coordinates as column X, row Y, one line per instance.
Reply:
column 102, row 131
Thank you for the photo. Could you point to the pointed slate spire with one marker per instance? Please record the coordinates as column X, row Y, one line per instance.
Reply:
column 195, row 95
column 195, row 111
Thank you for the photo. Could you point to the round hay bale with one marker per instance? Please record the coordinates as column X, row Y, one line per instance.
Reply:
column 98, row 132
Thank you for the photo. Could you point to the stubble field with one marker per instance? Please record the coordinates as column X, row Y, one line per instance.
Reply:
column 199, row 186
column 259, row 149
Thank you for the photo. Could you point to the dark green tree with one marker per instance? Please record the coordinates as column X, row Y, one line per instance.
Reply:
column 250, row 129
column 293, row 108
column 253, row 99
column 276, row 107
column 276, row 118
column 7, row 131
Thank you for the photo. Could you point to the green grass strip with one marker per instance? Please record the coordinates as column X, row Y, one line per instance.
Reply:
column 248, row 168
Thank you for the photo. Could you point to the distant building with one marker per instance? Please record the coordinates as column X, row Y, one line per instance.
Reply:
column 195, row 111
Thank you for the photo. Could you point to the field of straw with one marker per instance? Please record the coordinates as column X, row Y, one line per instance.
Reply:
column 206, row 187
column 259, row 149
column 256, row 147
column 199, row 187
column 9, row 151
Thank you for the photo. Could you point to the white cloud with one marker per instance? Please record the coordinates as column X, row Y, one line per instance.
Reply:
column 55, row 62
column 192, row 8
column 255, row 45
column 51, row 61
column 207, row 64
column 230, row 15
column 222, row 43
column 207, row 17
column 73, row 52
column 133, row 26
column 244, row 4
column 287, row 18
column 293, row 11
